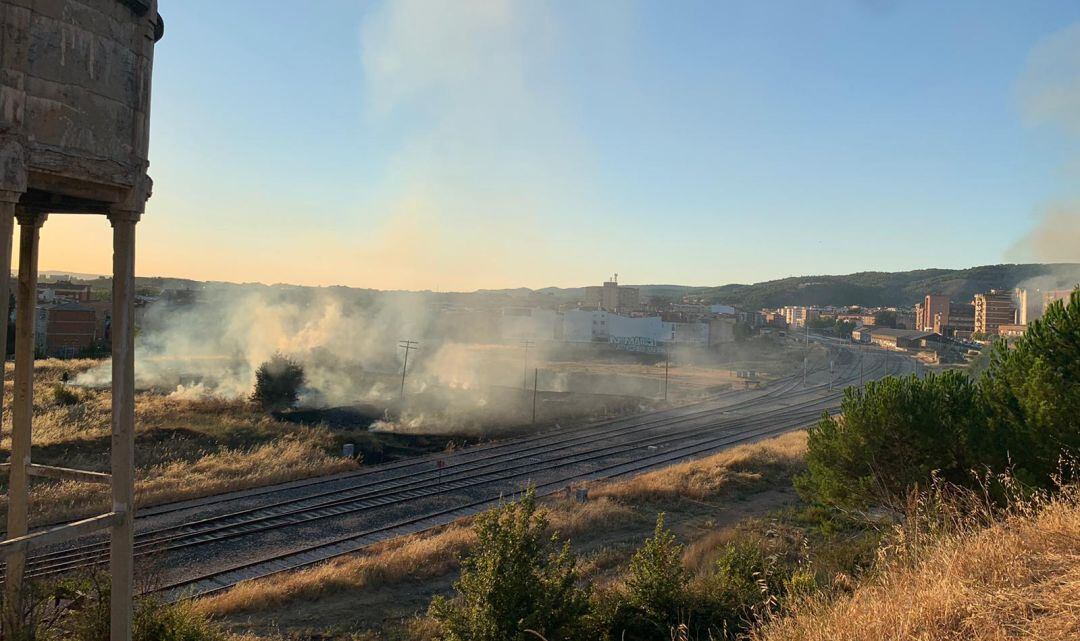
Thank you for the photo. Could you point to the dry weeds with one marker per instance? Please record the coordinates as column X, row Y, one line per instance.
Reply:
column 279, row 461
column 435, row 553
column 185, row 448
column 1017, row 579
column 718, row 474
column 414, row 557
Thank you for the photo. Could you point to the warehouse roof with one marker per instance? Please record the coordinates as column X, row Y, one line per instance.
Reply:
column 908, row 334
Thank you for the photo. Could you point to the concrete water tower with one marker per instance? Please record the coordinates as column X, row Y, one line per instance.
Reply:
column 74, row 131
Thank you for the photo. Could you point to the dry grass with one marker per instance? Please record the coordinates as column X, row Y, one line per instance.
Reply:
column 414, row 557
column 279, row 461
column 1017, row 579
column 184, row 448
column 719, row 474
column 427, row 555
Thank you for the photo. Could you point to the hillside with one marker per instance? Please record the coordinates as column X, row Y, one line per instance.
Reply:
column 1018, row 579
column 870, row 289
column 890, row 288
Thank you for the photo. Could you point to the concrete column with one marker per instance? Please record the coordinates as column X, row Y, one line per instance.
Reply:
column 7, row 223
column 121, row 550
column 23, row 403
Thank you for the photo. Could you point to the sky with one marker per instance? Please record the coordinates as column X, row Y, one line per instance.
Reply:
column 464, row 144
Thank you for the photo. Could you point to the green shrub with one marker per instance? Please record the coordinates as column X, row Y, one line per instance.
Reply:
column 517, row 579
column 657, row 582
column 893, row 436
column 1032, row 395
column 278, row 382
column 654, row 597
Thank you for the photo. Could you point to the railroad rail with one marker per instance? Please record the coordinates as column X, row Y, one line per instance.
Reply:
column 477, row 477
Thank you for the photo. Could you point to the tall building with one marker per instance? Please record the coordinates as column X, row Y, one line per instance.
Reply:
column 958, row 323
column 932, row 306
column 992, row 310
column 795, row 316
column 1025, row 306
column 612, row 297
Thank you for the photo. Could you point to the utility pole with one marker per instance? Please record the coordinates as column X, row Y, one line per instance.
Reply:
column 408, row 346
column 862, row 360
column 667, row 367
column 804, row 359
column 525, row 365
column 536, row 377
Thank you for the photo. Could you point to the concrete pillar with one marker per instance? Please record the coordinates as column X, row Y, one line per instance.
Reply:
column 122, row 546
column 7, row 223
column 23, row 402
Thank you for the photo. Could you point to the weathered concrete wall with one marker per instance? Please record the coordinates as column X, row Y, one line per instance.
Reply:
column 75, row 97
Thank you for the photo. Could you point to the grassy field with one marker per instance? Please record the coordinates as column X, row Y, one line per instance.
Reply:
column 184, row 448
column 388, row 585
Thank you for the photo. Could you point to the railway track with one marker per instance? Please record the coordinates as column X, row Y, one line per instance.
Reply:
column 478, row 477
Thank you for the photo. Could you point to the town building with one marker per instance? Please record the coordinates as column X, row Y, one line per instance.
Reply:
column 63, row 290
column 958, row 323
column 903, row 338
column 65, row 329
column 795, row 316
column 927, row 313
column 612, row 297
column 1012, row 331
column 862, row 334
column 992, row 310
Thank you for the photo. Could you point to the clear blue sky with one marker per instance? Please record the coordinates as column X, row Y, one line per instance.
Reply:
column 464, row 144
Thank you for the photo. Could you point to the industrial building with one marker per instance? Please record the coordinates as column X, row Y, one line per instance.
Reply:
column 903, row 338
column 992, row 310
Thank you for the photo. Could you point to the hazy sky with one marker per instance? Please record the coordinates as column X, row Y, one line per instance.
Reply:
column 458, row 144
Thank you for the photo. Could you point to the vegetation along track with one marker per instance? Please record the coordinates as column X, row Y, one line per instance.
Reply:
column 476, row 477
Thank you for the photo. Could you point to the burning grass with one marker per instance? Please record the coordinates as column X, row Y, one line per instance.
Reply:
column 184, row 448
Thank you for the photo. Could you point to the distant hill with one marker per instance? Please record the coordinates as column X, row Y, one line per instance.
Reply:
column 891, row 289
column 871, row 289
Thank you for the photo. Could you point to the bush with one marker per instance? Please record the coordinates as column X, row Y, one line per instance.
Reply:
column 517, row 580
column 64, row 396
column 1032, row 395
column 77, row 609
column 652, row 599
column 657, row 582
column 894, row 435
column 278, row 382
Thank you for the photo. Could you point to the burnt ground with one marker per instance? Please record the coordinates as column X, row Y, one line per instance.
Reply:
column 352, row 424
